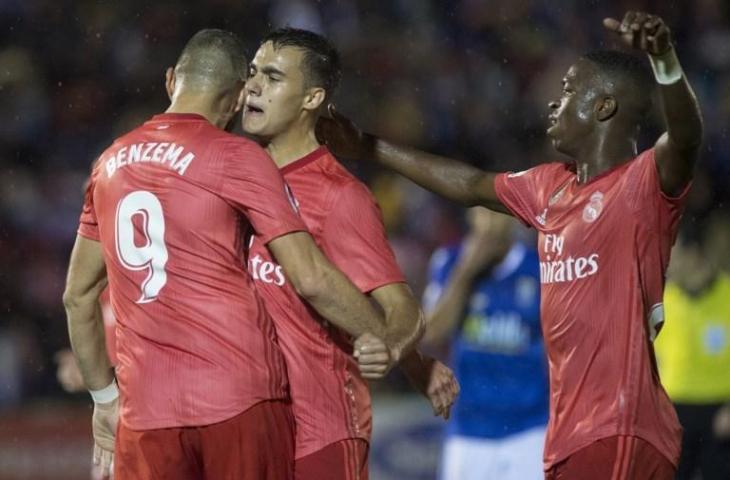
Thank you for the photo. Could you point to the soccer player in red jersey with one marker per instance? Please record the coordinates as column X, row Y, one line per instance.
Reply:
column 292, row 75
column 606, row 222
column 202, row 382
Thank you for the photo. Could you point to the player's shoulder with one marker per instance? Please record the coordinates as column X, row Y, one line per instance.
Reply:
column 643, row 160
column 347, row 188
column 227, row 141
column 554, row 169
column 235, row 151
column 544, row 172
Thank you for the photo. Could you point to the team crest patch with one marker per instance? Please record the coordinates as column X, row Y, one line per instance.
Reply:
column 594, row 208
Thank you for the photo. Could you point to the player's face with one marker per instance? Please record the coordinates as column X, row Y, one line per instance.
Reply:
column 572, row 118
column 275, row 91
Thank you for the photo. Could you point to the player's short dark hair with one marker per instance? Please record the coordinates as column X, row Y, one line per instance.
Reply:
column 321, row 62
column 627, row 68
column 213, row 58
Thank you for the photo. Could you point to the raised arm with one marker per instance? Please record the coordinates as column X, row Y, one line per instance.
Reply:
column 455, row 180
column 677, row 149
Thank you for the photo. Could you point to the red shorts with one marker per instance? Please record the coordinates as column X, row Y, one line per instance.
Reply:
column 343, row 460
column 614, row 458
column 257, row 444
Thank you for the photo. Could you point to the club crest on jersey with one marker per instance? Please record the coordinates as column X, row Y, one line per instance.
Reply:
column 594, row 208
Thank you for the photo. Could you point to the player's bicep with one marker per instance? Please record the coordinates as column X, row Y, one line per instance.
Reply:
column 302, row 261
column 86, row 272
column 675, row 165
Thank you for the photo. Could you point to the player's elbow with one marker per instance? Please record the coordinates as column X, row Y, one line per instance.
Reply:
column 77, row 297
column 480, row 191
column 73, row 297
column 310, row 283
column 70, row 299
column 688, row 139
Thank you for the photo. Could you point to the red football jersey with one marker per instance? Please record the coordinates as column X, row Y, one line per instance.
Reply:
column 604, row 248
column 171, row 203
column 330, row 399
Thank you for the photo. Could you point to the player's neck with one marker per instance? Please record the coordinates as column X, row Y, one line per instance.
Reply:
column 603, row 155
column 200, row 108
column 292, row 145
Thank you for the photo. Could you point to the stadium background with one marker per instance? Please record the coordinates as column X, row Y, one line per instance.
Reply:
column 468, row 78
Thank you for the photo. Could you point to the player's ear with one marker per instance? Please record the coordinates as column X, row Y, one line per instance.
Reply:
column 241, row 99
column 314, row 98
column 606, row 108
column 170, row 82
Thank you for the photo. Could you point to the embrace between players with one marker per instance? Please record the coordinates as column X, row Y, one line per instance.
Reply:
column 237, row 292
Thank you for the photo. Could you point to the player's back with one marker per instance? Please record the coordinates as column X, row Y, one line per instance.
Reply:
column 195, row 345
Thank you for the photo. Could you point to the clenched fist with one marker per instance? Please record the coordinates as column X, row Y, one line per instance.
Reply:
column 643, row 31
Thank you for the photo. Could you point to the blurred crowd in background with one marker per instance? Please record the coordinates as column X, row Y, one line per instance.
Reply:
column 466, row 78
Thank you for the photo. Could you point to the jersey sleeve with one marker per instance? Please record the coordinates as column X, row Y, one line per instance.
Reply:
column 646, row 197
column 254, row 186
column 522, row 192
column 439, row 270
column 354, row 240
column 88, row 224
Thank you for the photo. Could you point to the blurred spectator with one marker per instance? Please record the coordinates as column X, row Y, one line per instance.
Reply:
column 484, row 293
column 693, row 353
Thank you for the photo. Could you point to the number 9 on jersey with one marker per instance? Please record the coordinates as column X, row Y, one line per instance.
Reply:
column 151, row 256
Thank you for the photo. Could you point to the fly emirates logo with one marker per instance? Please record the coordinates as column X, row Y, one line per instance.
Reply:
column 267, row 272
column 558, row 270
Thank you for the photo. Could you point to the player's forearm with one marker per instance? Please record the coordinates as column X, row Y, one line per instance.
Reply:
column 324, row 287
column 449, row 310
column 86, row 332
column 336, row 299
column 405, row 327
column 455, row 180
column 682, row 112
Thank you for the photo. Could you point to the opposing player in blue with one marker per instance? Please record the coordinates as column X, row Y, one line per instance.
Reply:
column 485, row 294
